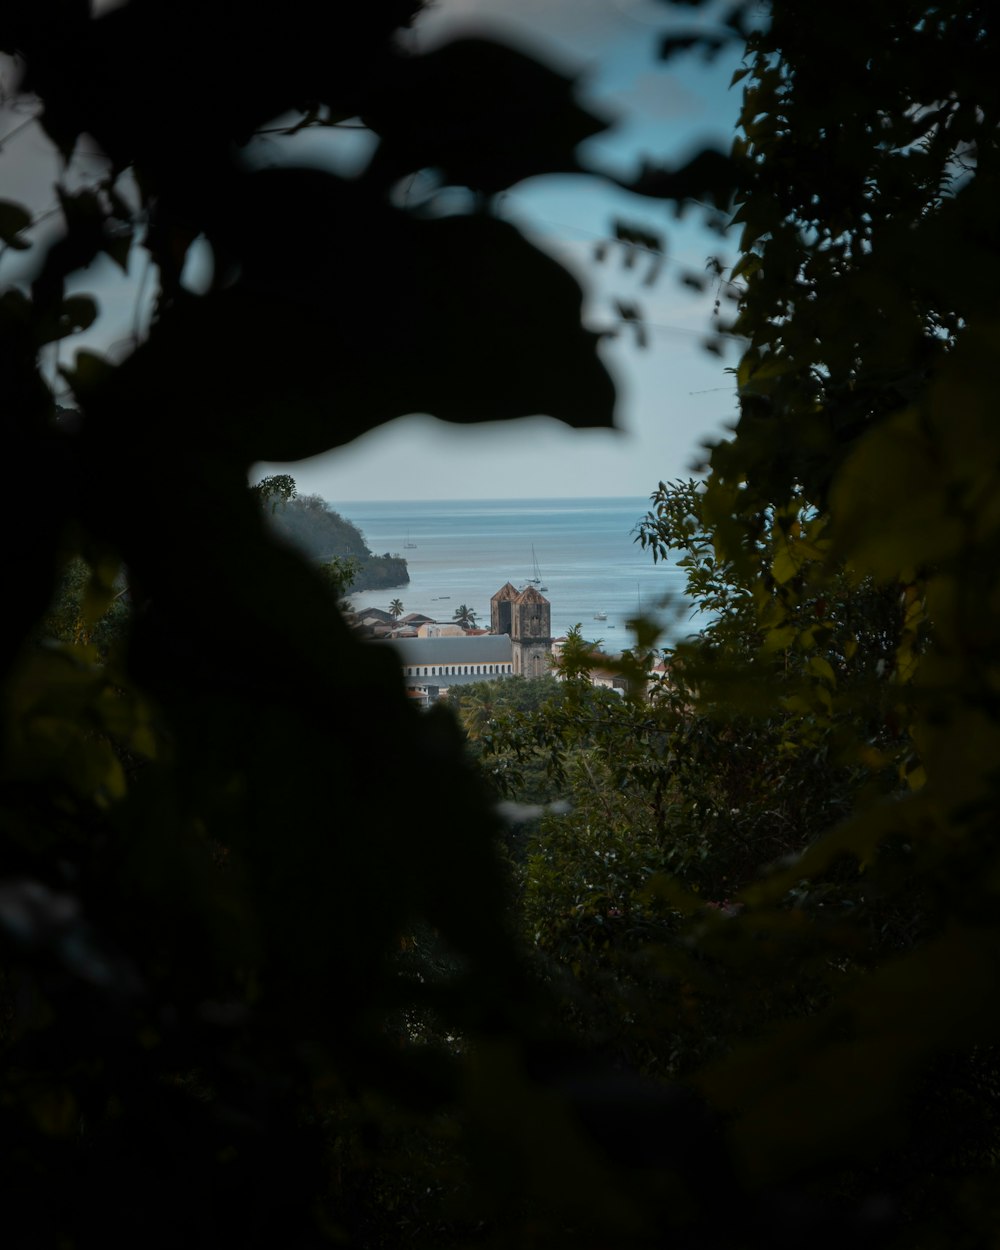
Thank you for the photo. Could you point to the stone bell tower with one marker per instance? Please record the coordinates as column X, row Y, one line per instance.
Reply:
column 531, row 633
column 500, row 609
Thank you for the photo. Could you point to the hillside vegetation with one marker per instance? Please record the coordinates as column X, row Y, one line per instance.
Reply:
column 311, row 525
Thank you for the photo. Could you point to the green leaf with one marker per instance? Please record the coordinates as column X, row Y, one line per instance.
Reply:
column 779, row 639
column 791, row 556
column 747, row 265
column 888, row 522
column 821, row 667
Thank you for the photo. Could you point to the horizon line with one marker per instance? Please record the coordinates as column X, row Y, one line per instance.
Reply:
column 493, row 499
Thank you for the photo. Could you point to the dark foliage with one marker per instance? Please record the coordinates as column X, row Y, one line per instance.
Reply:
column 243, row 1003
column 200, row 907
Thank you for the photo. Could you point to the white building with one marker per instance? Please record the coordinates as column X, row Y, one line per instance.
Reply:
column 431, row 666
column 440, row 629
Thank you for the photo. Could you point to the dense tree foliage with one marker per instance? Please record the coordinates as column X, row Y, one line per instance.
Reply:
column 504, row 721
column 201, row 912
column 244, row 1004
column 85, row 611
column 845, row 541
column 707, row 770
column 312, row 526
column 865, row 448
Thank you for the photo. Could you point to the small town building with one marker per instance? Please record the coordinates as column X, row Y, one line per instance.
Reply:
column 375, row 616
column 431, row 666
column 608, row 679
column 444, row 655
column 440, row 629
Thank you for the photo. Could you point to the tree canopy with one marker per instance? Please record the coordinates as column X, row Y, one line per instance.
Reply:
column 314, row 527
column 464, row 616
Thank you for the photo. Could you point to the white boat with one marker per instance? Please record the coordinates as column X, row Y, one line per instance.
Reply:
column 537, row 579
column 600, row 616
column 408, row 543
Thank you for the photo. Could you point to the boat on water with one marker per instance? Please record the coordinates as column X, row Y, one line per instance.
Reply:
column 536, row 580
column 600, row 616
column 408, row 543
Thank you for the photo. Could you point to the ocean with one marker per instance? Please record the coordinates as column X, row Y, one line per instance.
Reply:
column 463, row 551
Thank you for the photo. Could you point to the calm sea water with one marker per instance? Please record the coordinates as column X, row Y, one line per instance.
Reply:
column 465, row 551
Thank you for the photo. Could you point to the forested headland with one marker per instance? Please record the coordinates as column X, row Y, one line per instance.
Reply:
column 312, row 526
column 286, row 962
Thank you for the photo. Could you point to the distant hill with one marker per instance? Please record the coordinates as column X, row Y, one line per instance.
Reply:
column 309, row 523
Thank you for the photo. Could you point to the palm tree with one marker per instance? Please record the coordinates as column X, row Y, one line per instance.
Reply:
column 478, row 709
column 396, row 609
column 465, row 617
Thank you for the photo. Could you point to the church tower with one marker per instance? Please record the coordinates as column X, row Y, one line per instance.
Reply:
column 531, row 633
column 500, row 609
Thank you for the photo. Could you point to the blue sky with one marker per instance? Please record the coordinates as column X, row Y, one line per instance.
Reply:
column 672, row 396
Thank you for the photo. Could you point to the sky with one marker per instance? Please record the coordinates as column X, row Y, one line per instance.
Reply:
column 673, row 394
